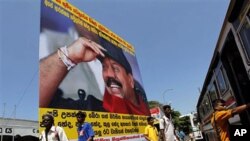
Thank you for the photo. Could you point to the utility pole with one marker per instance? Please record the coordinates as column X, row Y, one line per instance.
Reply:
column 4, row 104
column 13, row 129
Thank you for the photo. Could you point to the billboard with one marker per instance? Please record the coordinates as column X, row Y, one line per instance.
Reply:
column 156, row 112
column 86, row 67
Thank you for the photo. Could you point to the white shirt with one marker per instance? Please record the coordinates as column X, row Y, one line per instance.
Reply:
column 55, row 132
column 167, row 125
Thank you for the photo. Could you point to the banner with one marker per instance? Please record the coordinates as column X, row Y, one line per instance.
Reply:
column 156, row 112
column 86, row 67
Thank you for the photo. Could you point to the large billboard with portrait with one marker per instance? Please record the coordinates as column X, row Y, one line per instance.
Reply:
column 86, row 67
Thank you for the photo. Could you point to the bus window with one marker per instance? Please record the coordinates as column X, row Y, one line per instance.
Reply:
column 206, row 105
column 212, row 92
column 245, row 34
column 222, row 83
column 201, row 112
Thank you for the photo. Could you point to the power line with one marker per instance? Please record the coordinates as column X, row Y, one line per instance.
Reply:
column 25, row 90
column 22, row 96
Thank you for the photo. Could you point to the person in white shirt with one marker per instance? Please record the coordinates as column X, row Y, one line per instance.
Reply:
column 51, row 132
column 166, row 125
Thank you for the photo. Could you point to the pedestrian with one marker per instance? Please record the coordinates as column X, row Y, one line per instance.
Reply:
column 182, row 135
column 179, row 134
column 166, row 125
column 51, row 132
column 151, row 133
column 219, row 119
column 191, row 136
column 84, row 129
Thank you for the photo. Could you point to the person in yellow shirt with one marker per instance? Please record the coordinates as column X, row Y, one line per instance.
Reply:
column 151, row 133
column 219, row 119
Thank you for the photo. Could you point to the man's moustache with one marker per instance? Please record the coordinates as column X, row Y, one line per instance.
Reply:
column 113, row 81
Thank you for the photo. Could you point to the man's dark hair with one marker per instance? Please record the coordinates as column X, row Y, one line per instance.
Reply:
column 81, row 114
column 49, row 116
column 166, row 106
column 149, row 118
column 217, row 101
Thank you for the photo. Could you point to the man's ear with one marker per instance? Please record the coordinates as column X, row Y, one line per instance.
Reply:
column 131, row 80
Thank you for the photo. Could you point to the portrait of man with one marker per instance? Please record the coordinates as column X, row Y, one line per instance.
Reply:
column 82, row 70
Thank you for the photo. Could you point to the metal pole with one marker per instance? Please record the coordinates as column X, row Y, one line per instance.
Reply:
column 13, row 134
column 4, row 104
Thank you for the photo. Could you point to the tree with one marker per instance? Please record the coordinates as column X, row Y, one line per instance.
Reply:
column 185, row 124
column 175, row 116
column 153, row 104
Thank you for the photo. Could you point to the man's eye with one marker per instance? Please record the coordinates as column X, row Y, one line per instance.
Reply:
column 116, row 69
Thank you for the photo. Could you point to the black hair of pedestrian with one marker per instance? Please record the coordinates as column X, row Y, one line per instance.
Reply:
column 149, row 118
column 50, row 117
column 81, row 114
column 217, row 101
column 166, row 106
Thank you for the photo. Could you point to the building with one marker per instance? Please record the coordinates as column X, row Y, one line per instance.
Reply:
column 9, row 128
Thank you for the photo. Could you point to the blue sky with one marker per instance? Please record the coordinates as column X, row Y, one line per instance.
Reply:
column 174, row 42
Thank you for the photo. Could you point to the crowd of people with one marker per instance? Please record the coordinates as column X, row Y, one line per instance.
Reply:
column 165, row 132
column 85, row 132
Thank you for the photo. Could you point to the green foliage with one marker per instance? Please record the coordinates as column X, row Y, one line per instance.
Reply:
column 175, row 116
column 182, row 123
column 153, row 104
column 185, row 124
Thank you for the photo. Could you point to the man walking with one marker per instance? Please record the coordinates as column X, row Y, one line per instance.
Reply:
column 151, row 132
column 85, row 131
column 51, row 132
column 166, row 125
